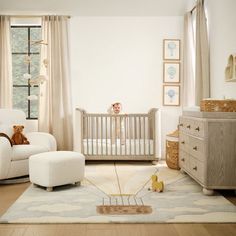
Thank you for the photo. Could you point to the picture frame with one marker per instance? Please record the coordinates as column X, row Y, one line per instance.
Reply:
column 171, row 95
column 171, row 72
column 171, row 49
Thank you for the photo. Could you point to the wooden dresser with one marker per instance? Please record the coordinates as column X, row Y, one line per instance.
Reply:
column 207, row 148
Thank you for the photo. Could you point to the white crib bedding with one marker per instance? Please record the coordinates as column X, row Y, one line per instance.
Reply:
column 105, row 147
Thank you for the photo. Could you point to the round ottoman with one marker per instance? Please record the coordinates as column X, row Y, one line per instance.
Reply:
column 50, row 169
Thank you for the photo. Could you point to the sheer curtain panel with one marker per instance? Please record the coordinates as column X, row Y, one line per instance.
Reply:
column 55, row 103
column 202, row 81
column 188, row 62
column 5, row 63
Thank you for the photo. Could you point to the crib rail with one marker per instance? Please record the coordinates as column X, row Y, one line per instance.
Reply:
column 118, row 137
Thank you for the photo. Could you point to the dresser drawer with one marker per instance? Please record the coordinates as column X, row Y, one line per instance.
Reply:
column 183, row 141
column 194, row 127
column 185, row 125
column 196, row 169
column 184, row 160
column 196, row 148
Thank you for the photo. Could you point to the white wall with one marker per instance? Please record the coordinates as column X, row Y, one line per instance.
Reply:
column 120, row 59
column 222, row 33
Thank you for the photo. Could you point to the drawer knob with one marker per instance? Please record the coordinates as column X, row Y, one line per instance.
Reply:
column 188, row 126
column 195, row 148
column 182, row 159
column 183, row 142
column 195, row 168
column 181, row 124
column 198, row 129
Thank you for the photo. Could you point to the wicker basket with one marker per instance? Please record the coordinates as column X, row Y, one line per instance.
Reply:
column 218, row 105
column 172, row 150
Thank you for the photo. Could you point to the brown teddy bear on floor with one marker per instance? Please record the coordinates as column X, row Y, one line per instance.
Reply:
column 18, row 137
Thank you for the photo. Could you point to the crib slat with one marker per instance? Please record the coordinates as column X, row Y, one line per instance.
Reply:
column 125, row 126
column 139, row 128
column 101, row 135
column 87, row 134
column 92, row 132
column 130, row 135
column 121, row 138
column 106, row 136
column 96, row 124
column 115, row 135
column 144, row 136
column 149, row 137
column 111, row 135
column 135, row 136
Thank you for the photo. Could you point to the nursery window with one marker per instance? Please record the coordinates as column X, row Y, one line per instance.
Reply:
column 25, row 62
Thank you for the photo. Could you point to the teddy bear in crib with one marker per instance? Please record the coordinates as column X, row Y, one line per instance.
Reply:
column 156, row 186
column 18, row 137
column 117, row 123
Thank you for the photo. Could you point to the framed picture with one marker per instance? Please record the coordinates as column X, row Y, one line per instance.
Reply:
column 171, row 95
column 171, row 72
column 171, row 49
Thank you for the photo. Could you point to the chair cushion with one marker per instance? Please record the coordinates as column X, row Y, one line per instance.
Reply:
column 22, row 152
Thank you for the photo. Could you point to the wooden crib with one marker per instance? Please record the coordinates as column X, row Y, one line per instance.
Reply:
column 116, row 137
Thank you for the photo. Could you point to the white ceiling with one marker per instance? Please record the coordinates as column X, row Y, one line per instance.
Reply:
column 97, row 7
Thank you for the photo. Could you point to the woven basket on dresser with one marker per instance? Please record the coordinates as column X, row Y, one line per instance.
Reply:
column 218, row 105
column 172, row 150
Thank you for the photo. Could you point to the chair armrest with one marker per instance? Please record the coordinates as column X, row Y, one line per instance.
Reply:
column 43, row 139
column 5, row 157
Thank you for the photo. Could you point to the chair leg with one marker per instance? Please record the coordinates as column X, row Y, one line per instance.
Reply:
column 49, row 189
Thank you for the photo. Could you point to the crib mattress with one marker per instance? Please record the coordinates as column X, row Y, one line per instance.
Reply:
column 130, row 147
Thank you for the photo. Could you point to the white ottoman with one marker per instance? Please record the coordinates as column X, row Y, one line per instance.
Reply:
column 50, row 169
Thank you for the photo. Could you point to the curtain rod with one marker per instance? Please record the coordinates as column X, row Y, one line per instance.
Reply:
column 30, row 16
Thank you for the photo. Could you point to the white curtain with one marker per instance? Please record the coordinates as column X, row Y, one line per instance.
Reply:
column 5, row 63
column 202, row 81
column 55, row 103
column 188, row 62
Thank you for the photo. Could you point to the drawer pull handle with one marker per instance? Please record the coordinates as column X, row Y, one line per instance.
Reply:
column 181, row 124
column 188, row 126
column 182, row 159
column 198, row 129
column 182, row 142
column 195, row 148
column 195, row 168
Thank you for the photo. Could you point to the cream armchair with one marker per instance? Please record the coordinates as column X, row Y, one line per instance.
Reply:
column 14, row 159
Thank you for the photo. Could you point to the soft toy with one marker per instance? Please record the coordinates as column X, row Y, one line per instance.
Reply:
column 18, row 137
column 157, row 186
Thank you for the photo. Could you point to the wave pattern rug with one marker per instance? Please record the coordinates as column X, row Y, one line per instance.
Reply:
column 181, row 201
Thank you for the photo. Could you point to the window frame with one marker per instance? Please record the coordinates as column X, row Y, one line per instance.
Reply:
column 28, row 53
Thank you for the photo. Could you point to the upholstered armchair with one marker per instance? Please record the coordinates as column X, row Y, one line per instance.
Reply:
column 14, row 159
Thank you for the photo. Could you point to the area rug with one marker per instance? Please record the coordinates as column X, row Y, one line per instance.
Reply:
column 181, row 201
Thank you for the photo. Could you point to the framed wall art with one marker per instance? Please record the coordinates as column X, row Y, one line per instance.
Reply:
column 171, row 72
column 171, row 49
column 171, row 95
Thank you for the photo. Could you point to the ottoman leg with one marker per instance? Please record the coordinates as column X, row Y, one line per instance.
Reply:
column 78, row 183
column 49, row 189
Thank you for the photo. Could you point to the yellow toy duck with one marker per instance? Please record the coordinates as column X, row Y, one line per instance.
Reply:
column 157, row 186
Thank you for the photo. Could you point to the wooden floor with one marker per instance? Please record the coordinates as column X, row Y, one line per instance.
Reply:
column 9, row 193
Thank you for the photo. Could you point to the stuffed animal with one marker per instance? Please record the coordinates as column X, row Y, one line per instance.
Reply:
column 18, row 137
column 157, row 186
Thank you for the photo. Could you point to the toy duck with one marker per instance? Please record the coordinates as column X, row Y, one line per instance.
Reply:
column 157, row 186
